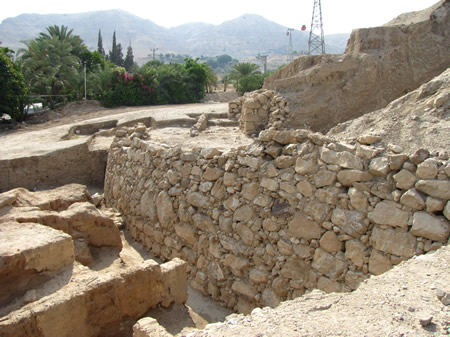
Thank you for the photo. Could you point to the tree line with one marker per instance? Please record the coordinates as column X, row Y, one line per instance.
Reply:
column 54, row 68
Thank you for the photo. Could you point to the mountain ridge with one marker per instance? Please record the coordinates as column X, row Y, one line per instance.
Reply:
column 245, row 36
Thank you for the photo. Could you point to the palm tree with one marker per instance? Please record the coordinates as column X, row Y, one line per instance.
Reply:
column 241, row 70
column 50, row 67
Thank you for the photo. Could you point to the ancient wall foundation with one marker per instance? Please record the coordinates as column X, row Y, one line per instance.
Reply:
column 293, row 211
column 75, row 164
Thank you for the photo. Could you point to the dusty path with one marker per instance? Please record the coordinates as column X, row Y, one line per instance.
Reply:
column 39, row 139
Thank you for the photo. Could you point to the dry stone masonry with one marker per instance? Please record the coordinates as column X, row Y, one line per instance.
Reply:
column 291, row 212
column 259, row 109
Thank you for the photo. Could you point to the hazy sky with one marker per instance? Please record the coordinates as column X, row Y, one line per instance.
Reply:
column 339, row 16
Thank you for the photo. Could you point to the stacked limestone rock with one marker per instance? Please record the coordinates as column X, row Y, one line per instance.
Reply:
column 258, row 110
column 291, row 212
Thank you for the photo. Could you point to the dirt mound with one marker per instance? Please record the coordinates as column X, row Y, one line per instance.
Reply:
column 379, row 65
column 220, row 97
column 72, row 108
column 420, row 119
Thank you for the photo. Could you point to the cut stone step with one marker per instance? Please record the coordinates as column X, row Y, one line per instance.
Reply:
column 103, row 304
column 29, row 254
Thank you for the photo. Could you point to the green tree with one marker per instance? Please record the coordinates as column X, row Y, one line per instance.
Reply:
column 241, row 70
column 129, row 59
column 198, row 78
column 251, row 83
column 211, row 79
column 223, row 60
column 13, row 90
column 115, row 54
column 51, row 63
column 100, row 48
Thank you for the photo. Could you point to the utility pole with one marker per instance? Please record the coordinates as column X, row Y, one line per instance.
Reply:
column 84, row 63
column 154, row 51
column 316, row 43
column 290, row 47
column 264, row 59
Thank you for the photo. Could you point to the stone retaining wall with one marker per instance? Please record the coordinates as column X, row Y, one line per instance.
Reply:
column 291, row 212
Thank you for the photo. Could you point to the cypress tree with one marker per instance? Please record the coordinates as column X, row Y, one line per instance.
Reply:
column 129, row 59
column 100, row 44
column 113, row 51
column 119, row 55
column 116, row 55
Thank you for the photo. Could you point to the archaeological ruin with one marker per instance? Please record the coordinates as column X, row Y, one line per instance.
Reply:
column 279, row 196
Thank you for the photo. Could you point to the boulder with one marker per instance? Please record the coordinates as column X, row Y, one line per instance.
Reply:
column 430, row 227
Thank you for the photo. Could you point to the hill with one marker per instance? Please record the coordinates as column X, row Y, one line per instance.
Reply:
column 247, row 35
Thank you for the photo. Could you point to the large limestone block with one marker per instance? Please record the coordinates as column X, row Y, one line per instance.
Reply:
column 393, row 241
column 324, row 178
column 245, row 233
column 258, row 276
column 174, row 282
column 236, row 262
column 203, row 222
column 270, row 298
column 164, row 209
column 317, row 210
column 344, row 159
column 57, row 199
column 430, row 227
column 215, row 271
column 250, row 190
column 198, row 200
column 355, row 250
column 300, row 226
column 428, row 169
column 148, row 205
column 27, row 252
column 447, row 210
column 413, row 199
column 270, row 184
column 330, row 242
column 149, row 327
column 244, row 289
column 358, row 199
column 379, row 263
column 351, row 222
column 187, row 232
column 379, row 166
column 404, row 179
column 212, row 174
column 86, row 218
column 388, row 213
column 305, row 166
column 328, row 265
column 283, row 162
column 244, row 213
column 329, row 286
column 295, row 269
column 348, row 177
column 436, row 188
column 354, row 279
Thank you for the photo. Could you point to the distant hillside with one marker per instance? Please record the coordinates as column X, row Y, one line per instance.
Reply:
column 246, row 36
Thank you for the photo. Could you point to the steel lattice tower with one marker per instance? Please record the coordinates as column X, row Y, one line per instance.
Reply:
column 316, row 44
column 290, row 47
